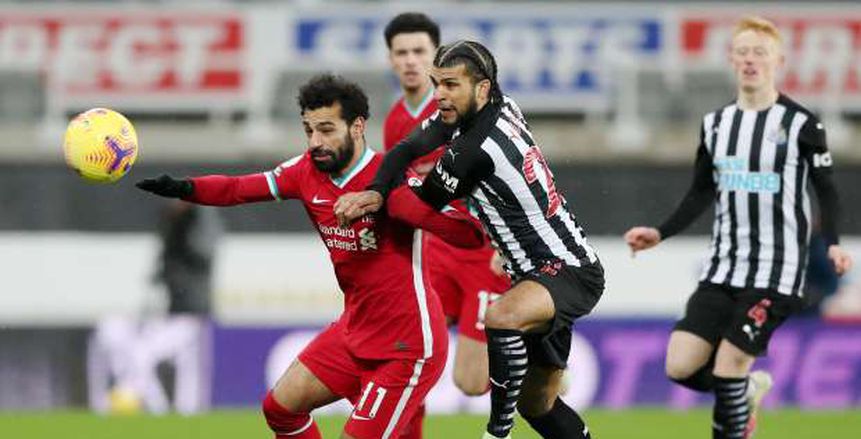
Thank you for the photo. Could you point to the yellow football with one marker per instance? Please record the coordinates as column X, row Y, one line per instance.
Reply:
column 101, row 145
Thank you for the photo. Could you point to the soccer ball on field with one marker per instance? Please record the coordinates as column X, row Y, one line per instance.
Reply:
column 101, row 145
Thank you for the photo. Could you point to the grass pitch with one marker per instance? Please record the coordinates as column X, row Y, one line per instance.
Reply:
column 640, row 423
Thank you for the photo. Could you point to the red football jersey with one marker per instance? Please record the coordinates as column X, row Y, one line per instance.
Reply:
column 401, row 120
column 389, row 310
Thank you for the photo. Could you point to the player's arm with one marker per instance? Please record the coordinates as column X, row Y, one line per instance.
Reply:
column 455, row 174
column 813, row 147
column 423, row 140
column 454, row 227
column 212, row 190
column 222, row 190
column 699, row 197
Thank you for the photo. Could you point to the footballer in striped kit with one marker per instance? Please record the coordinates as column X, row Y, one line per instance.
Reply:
column 754, row 161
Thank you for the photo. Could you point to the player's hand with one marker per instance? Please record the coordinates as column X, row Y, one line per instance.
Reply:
column 642, row 238
column 497, row 264
column 166, row 186
column 356, row 204
column 841, row 259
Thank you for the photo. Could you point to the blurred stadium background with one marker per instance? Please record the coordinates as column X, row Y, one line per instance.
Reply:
column 614, row 92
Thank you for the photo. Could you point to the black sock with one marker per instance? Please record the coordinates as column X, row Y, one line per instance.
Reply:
column 506, row 354
column 731, row 411
column 703, row 380
column 561, row 422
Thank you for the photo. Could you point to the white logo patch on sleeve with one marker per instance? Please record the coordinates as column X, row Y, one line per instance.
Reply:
column 822, row 160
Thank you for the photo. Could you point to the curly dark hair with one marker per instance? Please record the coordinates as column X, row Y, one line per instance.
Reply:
column 324, row 90
column 409, row 22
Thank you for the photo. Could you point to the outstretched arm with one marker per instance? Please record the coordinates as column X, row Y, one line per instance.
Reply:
column 219, row 190
column 700, row 195
column 212, row 190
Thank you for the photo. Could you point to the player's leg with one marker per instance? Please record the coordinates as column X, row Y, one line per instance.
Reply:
column 690, row 361
column 541, row 406
column 545, row 304
column 480, row 288
column 757, row 315
column 323, row 373
column 287, row 407
column 414, row 429
column 693, row 342
column 470, row 366
column 526, row 306
column 390, row 397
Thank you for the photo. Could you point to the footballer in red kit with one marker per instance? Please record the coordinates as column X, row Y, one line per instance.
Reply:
column 464, row 280
column 389, row 346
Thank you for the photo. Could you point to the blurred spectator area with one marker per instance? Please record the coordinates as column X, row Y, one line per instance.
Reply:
column 630, row 86
column 665, row 123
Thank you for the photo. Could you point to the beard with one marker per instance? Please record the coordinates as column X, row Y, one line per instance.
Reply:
column 469, row 114
column 338, row 159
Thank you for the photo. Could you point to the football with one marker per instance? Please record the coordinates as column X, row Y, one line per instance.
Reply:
column 100, row 145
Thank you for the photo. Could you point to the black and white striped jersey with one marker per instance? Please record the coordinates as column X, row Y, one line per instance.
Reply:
column 494, row 160
column 754, row 167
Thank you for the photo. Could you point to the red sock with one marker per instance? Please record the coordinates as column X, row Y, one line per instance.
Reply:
column 413, row 429
column 288, row 425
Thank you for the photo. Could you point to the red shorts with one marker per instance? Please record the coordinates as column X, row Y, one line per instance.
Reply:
column 465, row 284
column 385, row 393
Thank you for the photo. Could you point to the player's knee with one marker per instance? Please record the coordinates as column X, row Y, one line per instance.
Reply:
column 501, row 317
column 734, row 364
column 677, row 370
column 281, row 420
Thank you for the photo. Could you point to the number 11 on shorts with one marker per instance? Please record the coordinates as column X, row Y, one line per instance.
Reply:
column 485, row 299
column 374, row 408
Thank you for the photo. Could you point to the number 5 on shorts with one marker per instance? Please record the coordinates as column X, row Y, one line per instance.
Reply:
column 359, row 412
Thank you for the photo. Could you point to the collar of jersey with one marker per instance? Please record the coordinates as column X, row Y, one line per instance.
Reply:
column 415, row 113
column 363, row 161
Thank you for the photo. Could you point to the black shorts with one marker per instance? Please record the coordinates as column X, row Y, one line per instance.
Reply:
column 575, row 291
column 745, row 317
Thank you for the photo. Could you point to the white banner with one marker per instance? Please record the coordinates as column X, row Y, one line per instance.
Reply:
column 76, row 278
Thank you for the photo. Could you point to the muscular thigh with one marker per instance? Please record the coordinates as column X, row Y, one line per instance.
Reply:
column 687, row 353
column 526, row 307
column 299, row 391
column 324, row 373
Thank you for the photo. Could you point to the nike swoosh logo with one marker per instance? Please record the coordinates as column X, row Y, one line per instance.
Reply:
column 316, row 200
column 359, row 418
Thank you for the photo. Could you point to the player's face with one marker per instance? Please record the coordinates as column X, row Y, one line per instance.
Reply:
column 330, row 140
column 755, row 58
column 411, row 57
column 457, row 97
